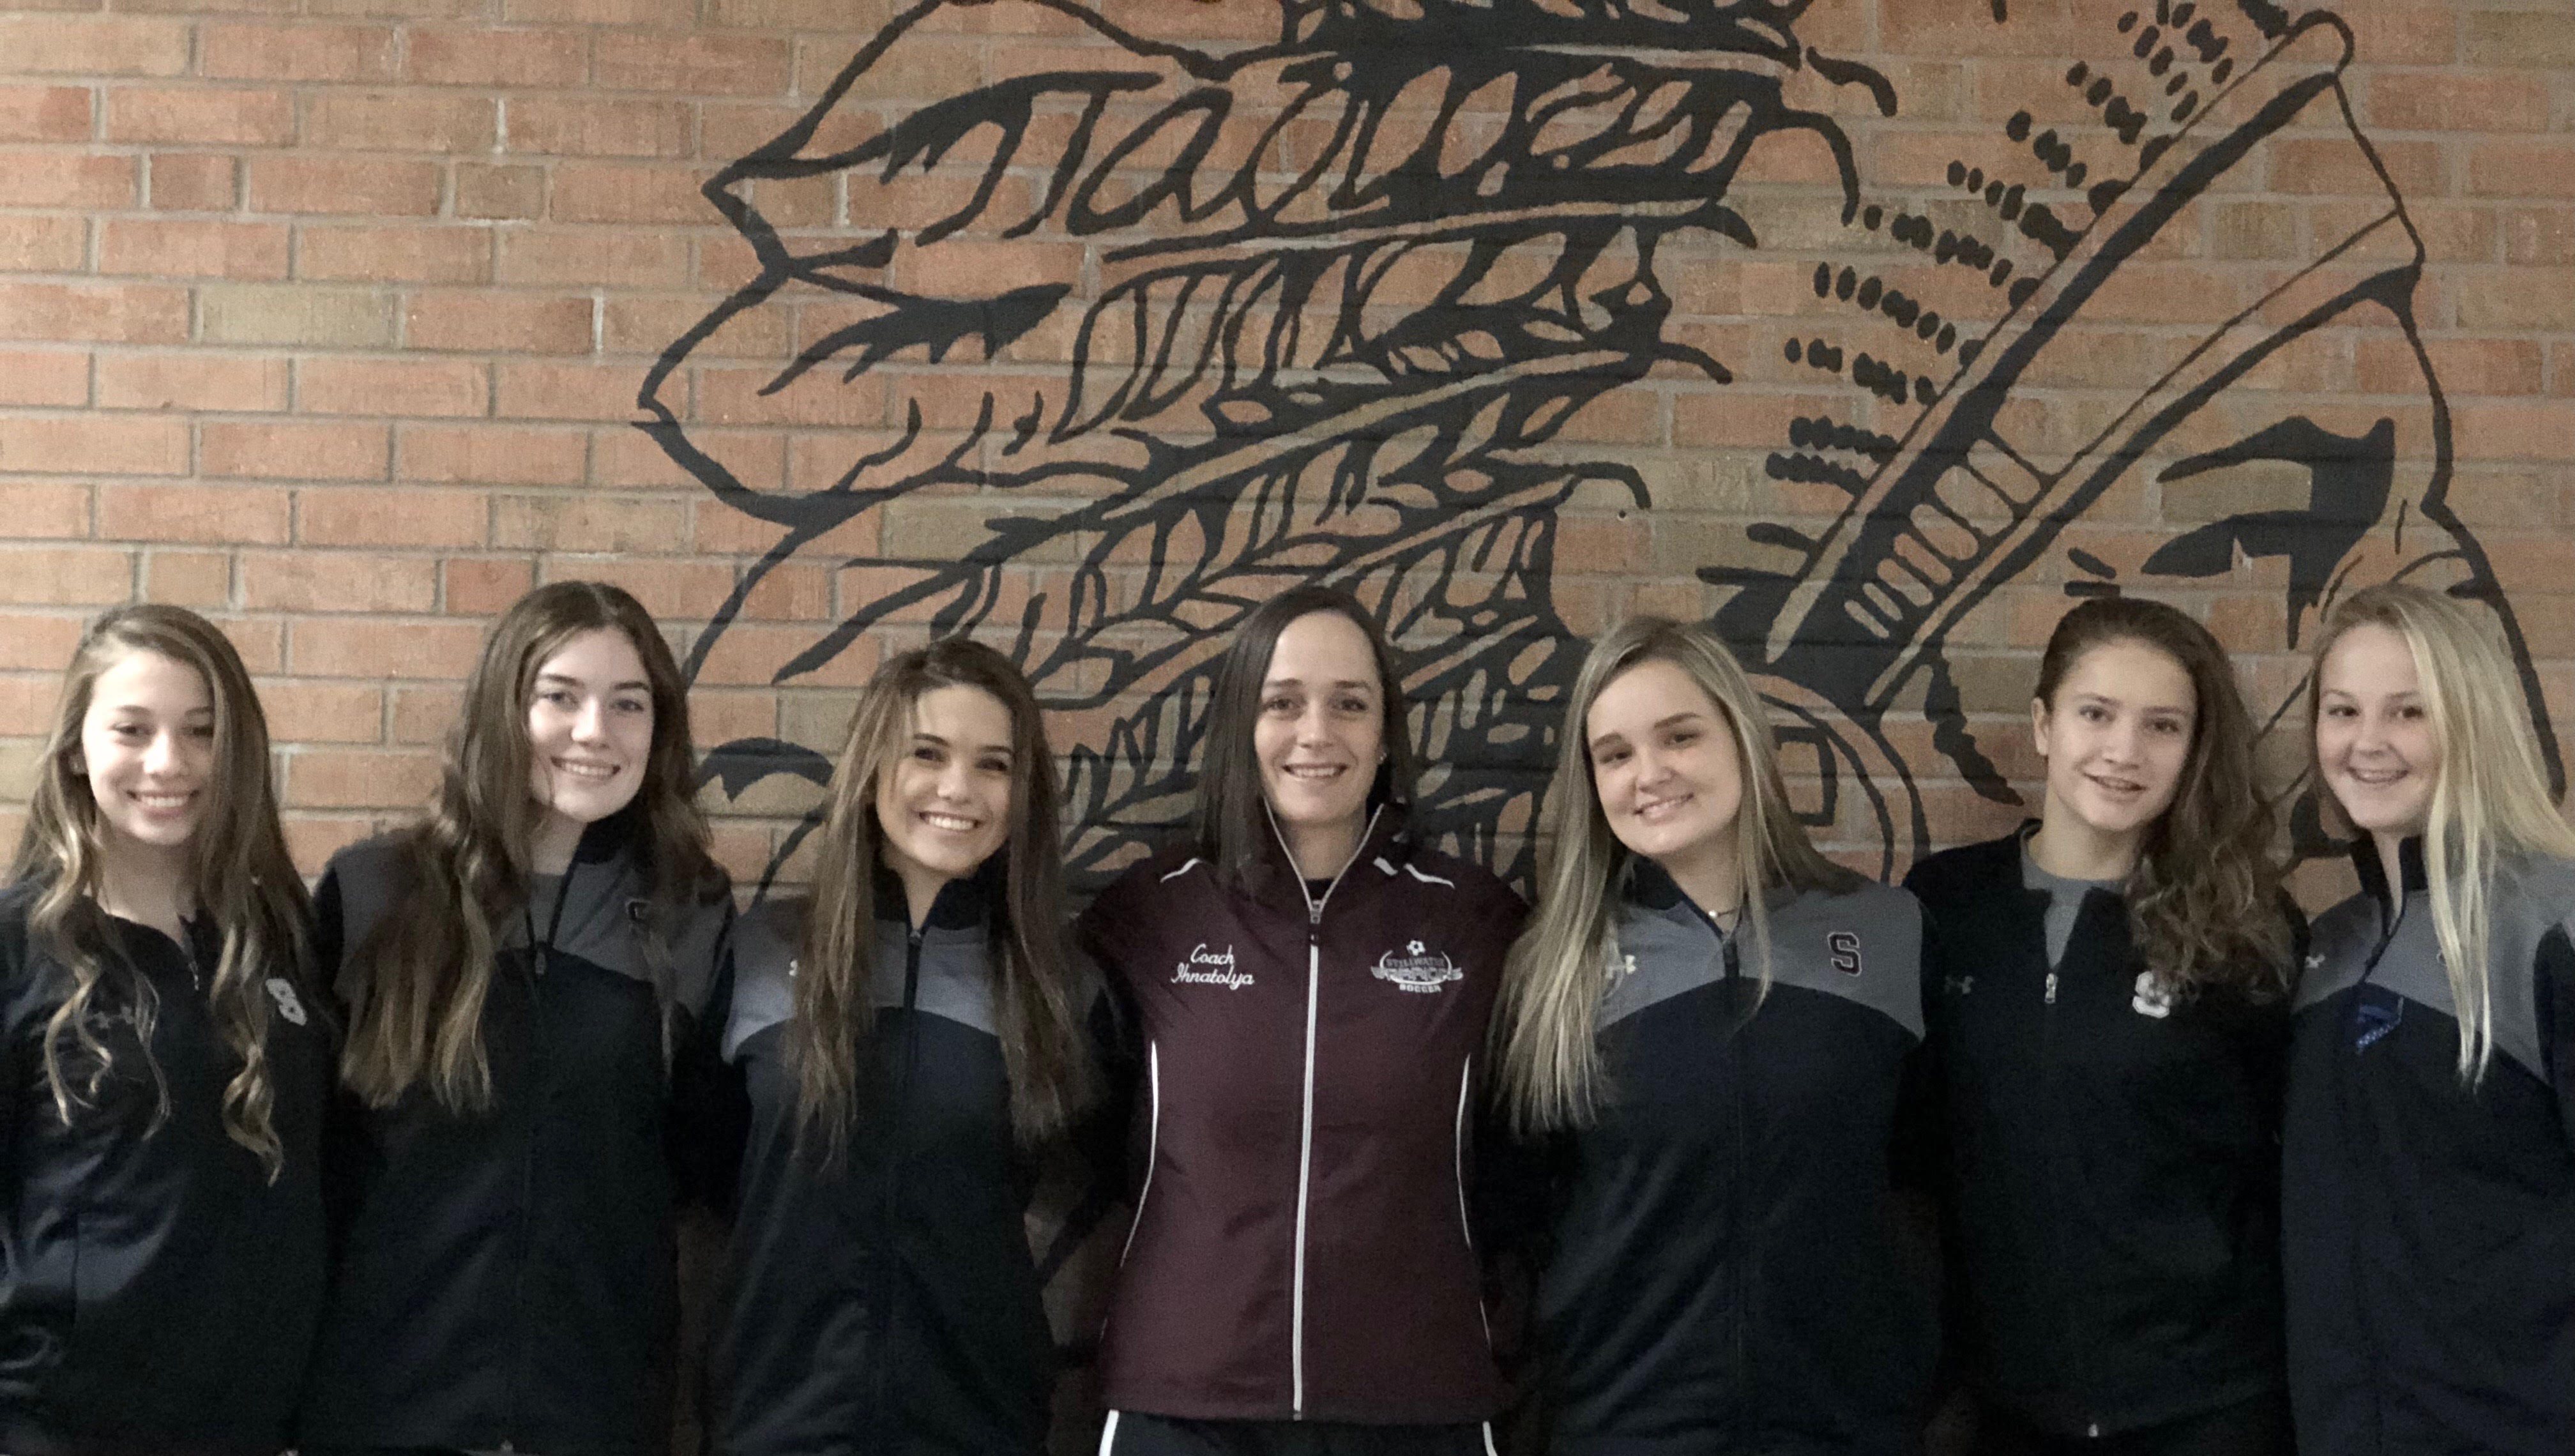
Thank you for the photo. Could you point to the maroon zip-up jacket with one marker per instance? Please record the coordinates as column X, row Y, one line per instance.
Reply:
column 1310, row 1072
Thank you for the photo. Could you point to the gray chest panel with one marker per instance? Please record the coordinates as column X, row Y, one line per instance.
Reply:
column 955, row 972
column 1865, row 947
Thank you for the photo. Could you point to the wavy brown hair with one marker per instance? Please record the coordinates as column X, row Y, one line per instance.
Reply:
column 239, row 868
column 1042, row 1046
column 2203, row 901
column 417, row 984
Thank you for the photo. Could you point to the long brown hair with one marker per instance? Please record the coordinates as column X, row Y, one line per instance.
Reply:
column 422, row 975
column 1544, row 1030
column 239, row 868
column 1033, row 992
column 2205, row 898
column 1231, row 822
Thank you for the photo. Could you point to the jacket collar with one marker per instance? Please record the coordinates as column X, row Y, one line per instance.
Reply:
column 1275, row 881
column 1648, row 886
column 961, row 905
column 2373, row 874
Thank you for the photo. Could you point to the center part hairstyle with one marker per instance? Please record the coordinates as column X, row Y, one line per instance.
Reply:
column 2204, row 902
column 240, row 871
column 1545, row 1029
column 416, row 985
column 1043, row 1047
column 1230, row 823
column 2490, row 799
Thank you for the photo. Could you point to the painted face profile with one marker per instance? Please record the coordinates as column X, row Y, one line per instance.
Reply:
column 2374, row 735
column 2116, row 739
column 943, row 798
column 1322, row 729
column 1665, row 768
column 148, row 750
column 590, row 731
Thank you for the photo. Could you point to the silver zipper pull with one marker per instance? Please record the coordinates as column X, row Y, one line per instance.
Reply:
column 2052, row 988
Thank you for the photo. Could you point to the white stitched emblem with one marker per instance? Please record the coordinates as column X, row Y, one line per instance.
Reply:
column 1418, row 968
column 2151, row 999
column 282, row 991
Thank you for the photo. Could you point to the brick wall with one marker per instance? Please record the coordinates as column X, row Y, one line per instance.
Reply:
column 330, row 317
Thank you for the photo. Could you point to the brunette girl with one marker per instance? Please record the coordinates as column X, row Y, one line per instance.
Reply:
column 1312, row 984
column 163, row 1071
column 2430, row 1205
column 2108, row 1016
column 520, row 972
column 911, row 1034
column 1711, row 1021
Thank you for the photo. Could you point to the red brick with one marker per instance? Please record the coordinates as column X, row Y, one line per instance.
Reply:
column 515, row 322
column 2516, row 299
column 482, row 587
column 598, row 191
column 590, row 522
column 681, row 589
column 169, row 248
column 424, row 714
column 698, row 65
column 193, row 181
column 483, row 56
column 306, row 314
column 410, row 387
column 2517, row 431
column 2465, row 367
column 324, row 648
column 347, row 186
column 202, row 115
column 2522, row 169
column 201, row 578
column 2334, row 167
column 199, row 380
column 497, row 194
column 64, row 576
column 2542, row 235
column 219, row 514
column 372, row 517
column 648, row 324
column 492, row 455
column 279, row 451
column 355, row 779
column 2537, row 36
column 2388, row 33
column 40, row 243
column 423, row 253
column 2454, row 99
column 44, row 113
column 43, row 642
column 568, row 391
column 38, row 509
column 667, row 14
column 106, row 313
column 330, row 581
column 93, row 45
column 43, row 377
column 292, row 52
column 560, row 126
column 323, row 712
column 66, row 179
column 592, row 257
column 399, row 122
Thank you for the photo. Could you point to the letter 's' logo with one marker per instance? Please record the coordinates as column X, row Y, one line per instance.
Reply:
column 282, row 991
column 1207, row 967
column 2151, row 999
column 1417, row 969
column 1844, row 945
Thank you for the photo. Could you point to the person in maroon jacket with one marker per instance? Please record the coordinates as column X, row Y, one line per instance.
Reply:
column 1310, row 987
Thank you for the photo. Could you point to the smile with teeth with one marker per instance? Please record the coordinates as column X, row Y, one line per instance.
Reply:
column 164, row 801
column 1316, row 772
column 953, row 823
column 1660, row 808
column 586, row 770
column 2374, row 777
column 2115, row 785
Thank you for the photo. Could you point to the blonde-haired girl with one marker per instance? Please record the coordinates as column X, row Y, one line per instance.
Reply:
column 1705, row 1026
column 163, row 1071
column 2429, row 1208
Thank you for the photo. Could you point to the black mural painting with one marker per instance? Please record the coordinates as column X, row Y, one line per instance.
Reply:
column 1360, row 368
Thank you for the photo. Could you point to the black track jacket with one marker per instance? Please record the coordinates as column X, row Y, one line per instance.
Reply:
column 1722, row 1273
column 885, row 1301
column 2430, row 1225
column 158, row 1291
column 2111, row 1182
column 507, row 1280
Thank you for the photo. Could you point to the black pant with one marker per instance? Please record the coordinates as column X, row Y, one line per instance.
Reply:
column 2256, row 1427
column 1134, row 1433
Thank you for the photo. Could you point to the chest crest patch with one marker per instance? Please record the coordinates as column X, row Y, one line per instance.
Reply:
column 2151, row 999
column 289, row 1005
column 1417, row 968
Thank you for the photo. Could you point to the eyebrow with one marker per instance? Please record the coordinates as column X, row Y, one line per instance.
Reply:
column 1685, row 716
column 145, row 707
column 921, row 737
column 568, row 678
column 1300, row 682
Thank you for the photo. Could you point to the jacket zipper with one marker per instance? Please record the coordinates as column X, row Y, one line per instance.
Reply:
column 1740, row 1295
column 2056, row 1204
column 1306, row 1115
column 537, row 951
column 2359, row 1276
column 888, row 1281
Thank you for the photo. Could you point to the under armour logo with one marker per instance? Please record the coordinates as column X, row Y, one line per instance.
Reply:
column 1958, row 985
column 2316, row 961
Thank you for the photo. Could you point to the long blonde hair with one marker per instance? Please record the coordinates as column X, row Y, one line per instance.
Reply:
column 238, row 866
column 425, row 971
column 1548, row 1061
column 2490, row 799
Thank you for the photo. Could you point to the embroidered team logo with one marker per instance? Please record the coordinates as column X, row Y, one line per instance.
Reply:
column 1207, row 967
column 1417, row 969
column 1845, row 945
column 2151, row 999
column 282, row 991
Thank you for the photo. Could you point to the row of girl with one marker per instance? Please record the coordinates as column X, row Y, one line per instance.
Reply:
column 397, row 1168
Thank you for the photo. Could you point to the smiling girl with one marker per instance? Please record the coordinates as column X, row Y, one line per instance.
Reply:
column 1709, row 1024
column 526, row 972
column 912, row 1035
column 2108, row 1016
column 2430, row 1206
column 162, row 1073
